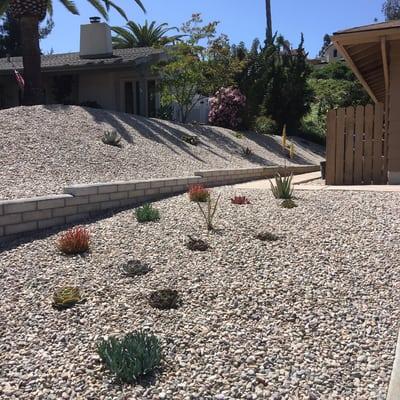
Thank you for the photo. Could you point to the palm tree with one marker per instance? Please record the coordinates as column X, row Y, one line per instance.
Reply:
column 269, row 21
column 147, row 35
column 30, row 13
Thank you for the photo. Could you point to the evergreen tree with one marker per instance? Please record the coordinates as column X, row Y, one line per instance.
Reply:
column 327, row 42
column 391, row 9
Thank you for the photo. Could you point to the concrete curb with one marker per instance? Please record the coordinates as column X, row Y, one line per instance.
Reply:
column 394, row 385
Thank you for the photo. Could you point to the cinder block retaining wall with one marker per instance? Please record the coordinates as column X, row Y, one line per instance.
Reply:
column 80, row 202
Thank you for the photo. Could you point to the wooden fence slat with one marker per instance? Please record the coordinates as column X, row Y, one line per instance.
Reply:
column 340, row 129
column 378, row 159
column 358, row 145
column 369, row 127
column 349, row 147
column 331, row 147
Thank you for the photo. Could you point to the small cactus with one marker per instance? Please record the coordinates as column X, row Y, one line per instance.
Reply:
column 164, row 299
column 135, row 268
column 196, row 244
column 66, row 297
column 288, row 203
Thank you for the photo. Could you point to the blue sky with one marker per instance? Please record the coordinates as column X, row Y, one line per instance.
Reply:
column 241, row 20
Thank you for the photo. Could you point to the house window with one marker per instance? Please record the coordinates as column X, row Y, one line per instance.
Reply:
column 335, row 53
column 138, row 98
column 151, row 98
column 129, row 103
column 62, row 89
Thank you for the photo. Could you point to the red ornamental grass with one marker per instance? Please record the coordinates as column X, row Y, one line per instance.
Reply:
column 198, row 193
column 74, row 241
column 241, row 200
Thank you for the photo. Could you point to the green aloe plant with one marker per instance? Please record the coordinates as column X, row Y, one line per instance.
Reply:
column 283, row 188
column 132, row 357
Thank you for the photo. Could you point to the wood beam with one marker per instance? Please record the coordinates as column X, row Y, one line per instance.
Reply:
column 385, row 63
column 374, row 36
column 355, row 69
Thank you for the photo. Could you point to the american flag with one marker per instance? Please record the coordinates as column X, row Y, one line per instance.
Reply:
column 20, row 79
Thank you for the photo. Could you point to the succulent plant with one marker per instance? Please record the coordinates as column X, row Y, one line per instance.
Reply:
column 283, row 188
column 131, row 358
column 240, row 200
column 191, row 139
column 198, row 193
column 247, row 152
column 288, row 203
column 147, row 213
column 66, row 297
column 164, row 299
column 111, row 138
column 266, row 236
column 74, row 241
column 135, row 268
column 196, row 244
column 209, row 211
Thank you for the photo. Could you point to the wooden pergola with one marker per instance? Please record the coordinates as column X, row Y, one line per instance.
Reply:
column 373, row 53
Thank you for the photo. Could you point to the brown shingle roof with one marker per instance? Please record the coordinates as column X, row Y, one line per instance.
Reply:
column 69, row 61
column 371, row 27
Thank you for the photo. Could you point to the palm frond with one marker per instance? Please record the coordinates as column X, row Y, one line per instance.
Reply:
column 68, row 4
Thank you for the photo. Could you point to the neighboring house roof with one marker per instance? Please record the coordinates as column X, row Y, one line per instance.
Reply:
column 70, row 61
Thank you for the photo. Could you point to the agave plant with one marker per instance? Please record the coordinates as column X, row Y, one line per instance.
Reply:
column 283, row 188
column 147, row 35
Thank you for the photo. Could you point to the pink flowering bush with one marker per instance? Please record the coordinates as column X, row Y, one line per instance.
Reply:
column 226, row 107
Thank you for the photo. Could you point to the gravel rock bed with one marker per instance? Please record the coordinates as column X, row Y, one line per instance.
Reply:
column 45, row 148
column 313, row 315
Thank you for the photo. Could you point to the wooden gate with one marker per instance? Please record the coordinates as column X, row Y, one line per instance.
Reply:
column 356, row 146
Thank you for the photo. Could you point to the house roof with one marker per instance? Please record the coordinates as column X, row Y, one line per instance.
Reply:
column 366, row 49
column 70, row 61
column 372, row 27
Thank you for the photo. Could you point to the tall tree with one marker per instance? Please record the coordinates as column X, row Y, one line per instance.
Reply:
column 391, row 9
column 147, row 35
column 30, row 14
column 10, row 35
column 269, row 21
column 327, row 42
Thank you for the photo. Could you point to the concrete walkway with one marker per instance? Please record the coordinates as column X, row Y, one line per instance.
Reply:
column 304, row 182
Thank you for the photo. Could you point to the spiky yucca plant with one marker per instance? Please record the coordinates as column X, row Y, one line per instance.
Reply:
column 283, row 188
column 30, row 13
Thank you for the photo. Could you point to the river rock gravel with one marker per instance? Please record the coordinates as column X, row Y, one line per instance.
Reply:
column 313, row 315
column 45, row 148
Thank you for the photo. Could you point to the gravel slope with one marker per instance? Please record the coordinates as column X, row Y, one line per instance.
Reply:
column 312, row 316
column 43, row 148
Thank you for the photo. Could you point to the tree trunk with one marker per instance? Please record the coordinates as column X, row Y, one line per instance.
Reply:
column 33, row 92
column 269, row 21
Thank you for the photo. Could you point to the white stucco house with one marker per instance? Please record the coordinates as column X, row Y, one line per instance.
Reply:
column 120, row 80
column 332, row 54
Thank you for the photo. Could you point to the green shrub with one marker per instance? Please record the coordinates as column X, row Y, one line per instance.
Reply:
column 191, row 139
column 132, row 357
column 147, row 214
column 283, row 188
column 266, row 126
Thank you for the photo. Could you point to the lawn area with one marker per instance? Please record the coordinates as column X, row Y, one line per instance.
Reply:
column 313, row 315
